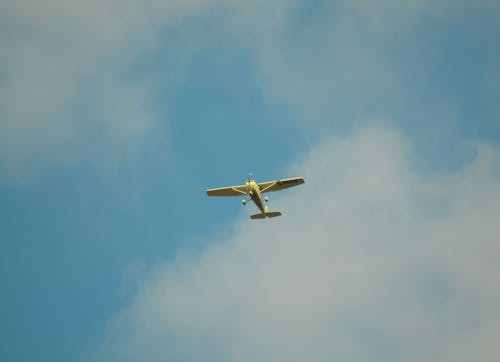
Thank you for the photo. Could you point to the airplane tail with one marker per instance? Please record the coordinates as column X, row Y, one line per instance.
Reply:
column 266, row 214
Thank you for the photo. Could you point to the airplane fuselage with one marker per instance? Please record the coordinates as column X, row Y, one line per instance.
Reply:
column 255, row 195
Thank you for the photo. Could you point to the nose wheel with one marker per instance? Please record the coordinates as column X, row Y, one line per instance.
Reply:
column 266, row 199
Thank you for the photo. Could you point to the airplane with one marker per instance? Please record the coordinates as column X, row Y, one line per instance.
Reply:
column 255, row 191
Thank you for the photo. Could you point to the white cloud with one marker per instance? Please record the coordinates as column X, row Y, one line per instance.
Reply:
column 68, row 90
column 67, row 66
column 371, row 261
column 345, row 61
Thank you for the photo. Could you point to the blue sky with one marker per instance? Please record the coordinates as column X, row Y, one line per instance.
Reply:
column 115, row 116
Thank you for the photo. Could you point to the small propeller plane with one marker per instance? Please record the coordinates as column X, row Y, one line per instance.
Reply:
column 255, row 191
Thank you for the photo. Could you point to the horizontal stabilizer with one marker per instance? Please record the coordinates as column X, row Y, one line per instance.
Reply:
column 267, row 214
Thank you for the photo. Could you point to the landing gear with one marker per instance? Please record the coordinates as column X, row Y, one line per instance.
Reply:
column 244, row 202
column 266, row 199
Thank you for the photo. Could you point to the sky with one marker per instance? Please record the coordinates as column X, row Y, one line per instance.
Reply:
column 115, row 116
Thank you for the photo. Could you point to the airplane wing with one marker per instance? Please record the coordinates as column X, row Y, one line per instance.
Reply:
column 280, row 184
column 228, row 191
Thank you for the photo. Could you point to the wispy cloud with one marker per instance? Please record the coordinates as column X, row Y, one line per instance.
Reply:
column 337, row 63
column 69, row 69
column 69, row 91
column 372, row 260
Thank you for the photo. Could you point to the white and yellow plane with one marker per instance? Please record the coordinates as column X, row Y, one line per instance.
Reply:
column 255, row 191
